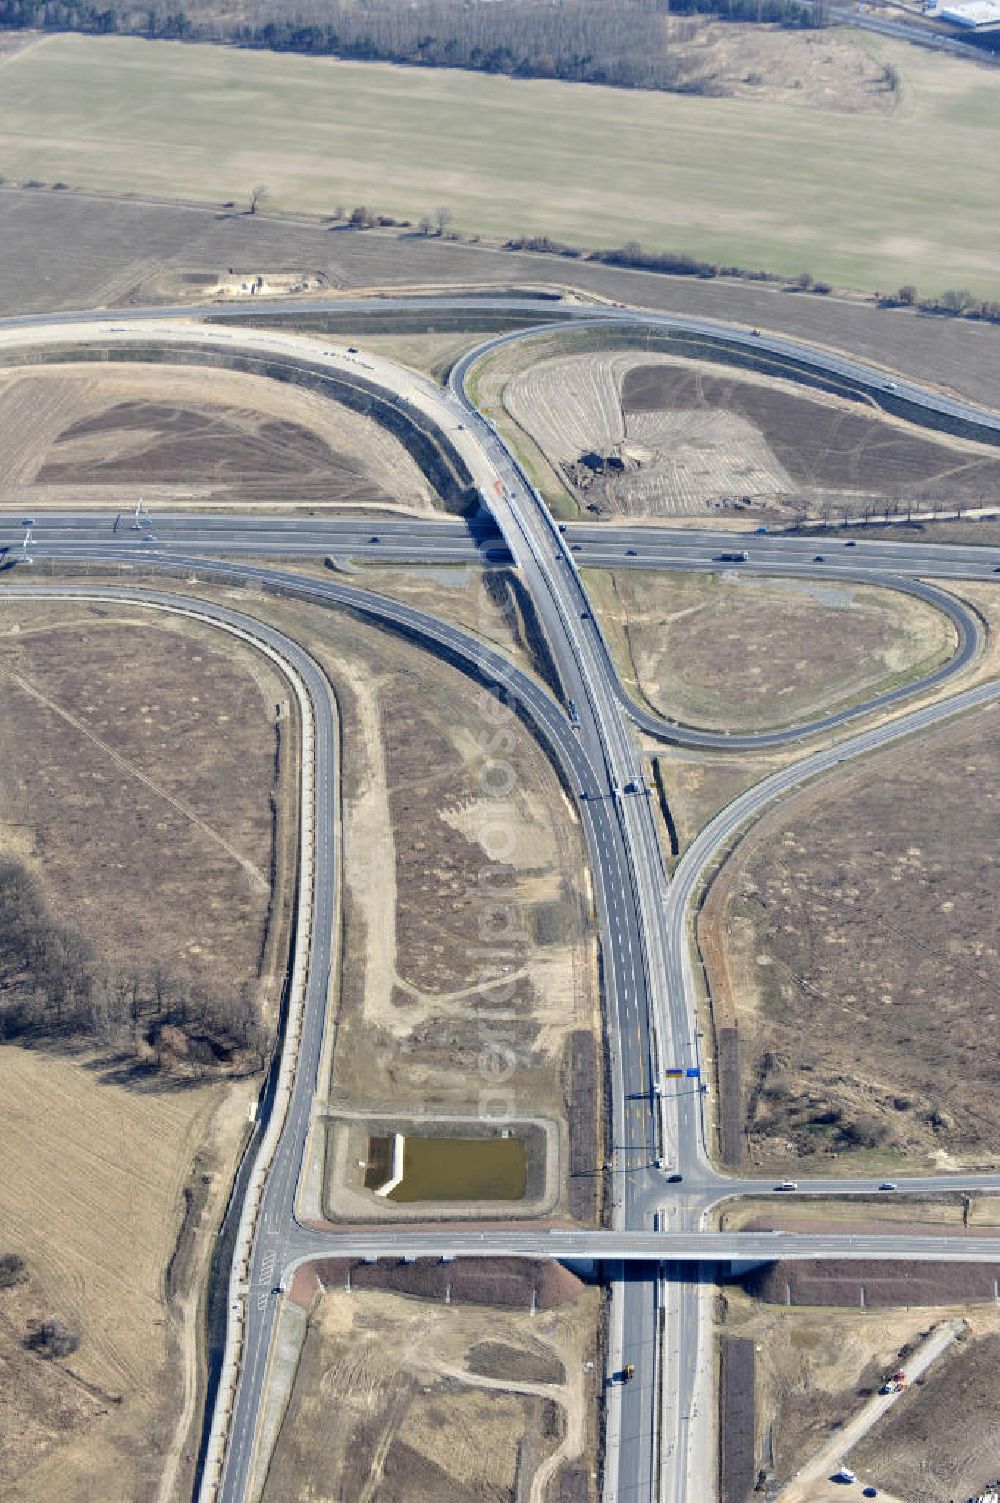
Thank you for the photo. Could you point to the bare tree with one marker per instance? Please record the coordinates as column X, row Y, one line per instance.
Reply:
column 424, row 225
column 52, row 1339
column 442, row 218
column 258, row 197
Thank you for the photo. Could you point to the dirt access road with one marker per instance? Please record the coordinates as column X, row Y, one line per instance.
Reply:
column 815, row 1473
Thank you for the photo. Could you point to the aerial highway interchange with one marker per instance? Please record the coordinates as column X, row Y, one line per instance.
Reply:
column 660, row 1435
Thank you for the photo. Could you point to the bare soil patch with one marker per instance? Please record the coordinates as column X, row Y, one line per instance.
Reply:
column 623, row 459
column 642, row 433
column 939, row 1440
column 100, row 435
column 852, row 934
column 816, row 1367
column 738, row 653
column 390, row 1395
column 833, row 452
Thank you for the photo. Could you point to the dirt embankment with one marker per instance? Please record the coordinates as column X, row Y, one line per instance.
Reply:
column 514, row 1283
column 863, row 1285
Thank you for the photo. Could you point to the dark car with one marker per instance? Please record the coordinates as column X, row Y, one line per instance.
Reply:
column 631, row 552
column 869, row 1492
column 851, row 543
column 674, row 1179
column 575, row 547
column 352, row 349
column 375, row 538
column 820, row 558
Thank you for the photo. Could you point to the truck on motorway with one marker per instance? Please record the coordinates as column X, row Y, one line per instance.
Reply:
column 628, row 1372
column 733, row 558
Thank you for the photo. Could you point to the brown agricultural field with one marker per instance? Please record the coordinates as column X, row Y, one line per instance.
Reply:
column 851, row 941
column 60, row 250
column 79, row 435
column 415, row 1398
column 731, row 652
column 139, row 759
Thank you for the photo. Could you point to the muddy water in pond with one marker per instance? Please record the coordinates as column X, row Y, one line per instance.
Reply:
column 379, row 1167
column 463, row 1169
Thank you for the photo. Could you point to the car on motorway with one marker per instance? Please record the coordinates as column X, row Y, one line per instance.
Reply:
column 851, row 543
column 575, row 547
column 787, row 1184
column 997, row 569
column 888, row 1184
column 819, row 558
column 675, row 1178
column 352, row 349
column 374, row 538
column 631, row 552
column 27, row 521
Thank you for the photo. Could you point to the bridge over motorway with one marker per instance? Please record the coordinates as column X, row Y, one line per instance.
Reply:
column 643, row 1246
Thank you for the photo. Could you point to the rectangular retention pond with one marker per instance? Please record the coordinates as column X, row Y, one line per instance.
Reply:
column 463, row 1169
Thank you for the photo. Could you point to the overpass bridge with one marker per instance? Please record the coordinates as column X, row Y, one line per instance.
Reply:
column 640, row 1246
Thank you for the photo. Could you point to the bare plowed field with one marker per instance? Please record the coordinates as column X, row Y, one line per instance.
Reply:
column 138, row 763
column 858, row 921
column 393, row 1399
column 75, row 435
column 837, row 454
column 674, row 461
column 735, row 652
column 682, row 438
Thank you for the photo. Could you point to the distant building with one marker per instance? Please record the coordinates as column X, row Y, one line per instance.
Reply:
column 972, row 13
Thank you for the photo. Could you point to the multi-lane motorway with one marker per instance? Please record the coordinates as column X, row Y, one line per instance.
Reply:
column 649, row 993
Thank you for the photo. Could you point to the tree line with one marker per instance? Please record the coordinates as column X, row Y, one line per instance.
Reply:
column 625, row 44
column 53, row 988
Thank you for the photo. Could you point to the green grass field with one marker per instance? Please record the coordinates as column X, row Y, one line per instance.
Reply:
column 860, row 200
